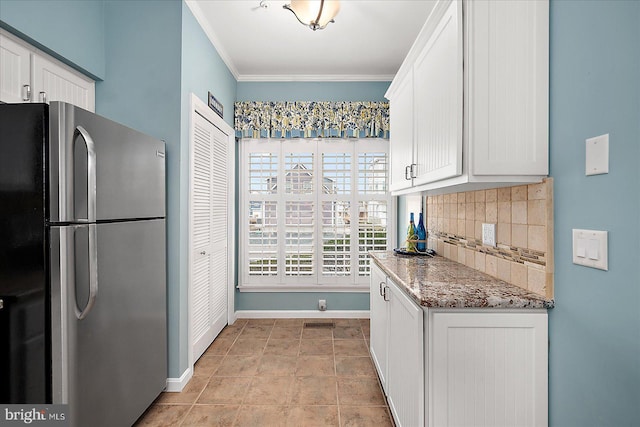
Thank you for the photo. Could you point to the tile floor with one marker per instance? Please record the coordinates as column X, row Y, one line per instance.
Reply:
column 275, row 372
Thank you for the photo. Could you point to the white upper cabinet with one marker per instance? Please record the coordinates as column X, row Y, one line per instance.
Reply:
column 53, row 82
column 15, row 66
column 479, row 98
column 508, row 86
column 401, row 119
column 438, row 101
column 29, row 75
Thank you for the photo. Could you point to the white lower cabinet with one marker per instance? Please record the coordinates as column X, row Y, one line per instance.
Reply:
column 458, row 367
column 487, row 367
column 379, row 324
column 397, row 343
column 405, row 371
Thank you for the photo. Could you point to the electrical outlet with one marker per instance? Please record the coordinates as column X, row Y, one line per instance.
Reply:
column 322, row 304
column 489, row 234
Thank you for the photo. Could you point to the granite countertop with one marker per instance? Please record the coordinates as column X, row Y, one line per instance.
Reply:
column 440, row 282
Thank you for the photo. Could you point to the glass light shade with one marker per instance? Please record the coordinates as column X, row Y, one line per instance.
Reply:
column 307, row 12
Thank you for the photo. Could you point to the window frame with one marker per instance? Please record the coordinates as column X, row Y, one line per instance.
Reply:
column 354, row 282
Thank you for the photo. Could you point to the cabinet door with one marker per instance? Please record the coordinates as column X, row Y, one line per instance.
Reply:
column 438, row 101
column 401, row 138
column 14, row 71
column 508, row 78
column 378, row 314
column 488, row 369
column 405, row 376
column 52, row 82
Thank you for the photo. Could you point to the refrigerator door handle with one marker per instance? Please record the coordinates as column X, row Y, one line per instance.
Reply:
column 93, row 273
column 91, row 172
column 91, row 218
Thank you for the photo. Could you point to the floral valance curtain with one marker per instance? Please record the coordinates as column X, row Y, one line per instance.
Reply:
column 254, row 119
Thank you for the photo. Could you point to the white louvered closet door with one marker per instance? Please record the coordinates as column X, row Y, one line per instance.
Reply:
column 209, row 233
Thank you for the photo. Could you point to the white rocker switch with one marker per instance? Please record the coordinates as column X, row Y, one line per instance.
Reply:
column 590, row 248
column 581, row 250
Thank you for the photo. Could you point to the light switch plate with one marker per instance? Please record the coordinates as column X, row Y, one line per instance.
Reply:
column 590, row 248
column 489, row 235
column 597, row 155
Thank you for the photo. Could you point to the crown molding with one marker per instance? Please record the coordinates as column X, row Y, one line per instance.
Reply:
column 314, row 78
column 211, row 35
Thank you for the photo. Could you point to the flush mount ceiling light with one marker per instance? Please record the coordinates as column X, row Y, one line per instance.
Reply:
column 315, row 14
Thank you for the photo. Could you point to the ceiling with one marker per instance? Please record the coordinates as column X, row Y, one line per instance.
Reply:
column 367, row 42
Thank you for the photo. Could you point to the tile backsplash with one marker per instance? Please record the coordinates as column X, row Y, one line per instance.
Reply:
column 524, row 232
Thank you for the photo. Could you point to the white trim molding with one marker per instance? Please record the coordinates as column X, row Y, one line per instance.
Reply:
column 175, row 385
column 304, row 314
column 315, row 78
column 212, row 36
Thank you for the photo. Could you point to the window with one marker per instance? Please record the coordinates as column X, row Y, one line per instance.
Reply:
column 310, row 212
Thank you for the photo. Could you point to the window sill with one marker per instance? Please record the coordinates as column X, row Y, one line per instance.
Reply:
column 364, row 288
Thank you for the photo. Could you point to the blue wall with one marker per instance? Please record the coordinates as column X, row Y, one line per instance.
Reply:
column 594, row 329
column 203, row 71
column 72, row 31
column 142, row 90
column 307, row 91
column 301, row 300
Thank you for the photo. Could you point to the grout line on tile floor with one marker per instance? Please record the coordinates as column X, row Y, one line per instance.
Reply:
column 335, row 373
column 347, row 353
column 211, row 376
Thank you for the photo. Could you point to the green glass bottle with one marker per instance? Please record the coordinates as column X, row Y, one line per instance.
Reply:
column 412, row 235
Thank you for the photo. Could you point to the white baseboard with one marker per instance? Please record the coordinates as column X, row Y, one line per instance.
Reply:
column 232, row 317
column 306, row 314
column 177, row 384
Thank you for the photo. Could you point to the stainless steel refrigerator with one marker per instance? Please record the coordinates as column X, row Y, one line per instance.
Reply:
column 82, row 264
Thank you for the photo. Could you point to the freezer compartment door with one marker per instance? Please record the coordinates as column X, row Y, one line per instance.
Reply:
column 111, row 364
column 23, row 353
column 24, row 363
column 97, row 164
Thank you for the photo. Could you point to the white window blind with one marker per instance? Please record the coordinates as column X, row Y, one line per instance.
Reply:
column 312, row 209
